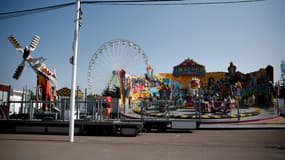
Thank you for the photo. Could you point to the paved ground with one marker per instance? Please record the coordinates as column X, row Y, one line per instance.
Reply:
column 200, row 144
column 270, row 122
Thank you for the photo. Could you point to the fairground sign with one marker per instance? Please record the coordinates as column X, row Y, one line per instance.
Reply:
column 189, row 67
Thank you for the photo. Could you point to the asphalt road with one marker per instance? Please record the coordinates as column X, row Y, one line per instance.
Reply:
column 200, row 145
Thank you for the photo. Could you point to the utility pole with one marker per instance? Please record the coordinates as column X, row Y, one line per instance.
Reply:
column 74, row 72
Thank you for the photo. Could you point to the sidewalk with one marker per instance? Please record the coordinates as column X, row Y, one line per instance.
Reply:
column 242, row 126
column 262, row 121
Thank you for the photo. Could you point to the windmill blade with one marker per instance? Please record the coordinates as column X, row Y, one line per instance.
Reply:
column 19, row 70
column 34, row 42
column 15, row 43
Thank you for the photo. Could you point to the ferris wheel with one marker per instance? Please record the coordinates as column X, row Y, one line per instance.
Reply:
column 111, row 57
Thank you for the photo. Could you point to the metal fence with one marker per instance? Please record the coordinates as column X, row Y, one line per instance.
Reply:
column 97, row 109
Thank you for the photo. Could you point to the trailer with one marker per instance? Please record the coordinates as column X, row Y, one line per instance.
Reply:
column 82, row 127
column 91, row 119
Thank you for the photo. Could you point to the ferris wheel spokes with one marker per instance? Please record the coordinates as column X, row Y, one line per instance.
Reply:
column 114, row 56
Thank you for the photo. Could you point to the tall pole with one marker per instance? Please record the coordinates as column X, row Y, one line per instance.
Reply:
column 74, row 70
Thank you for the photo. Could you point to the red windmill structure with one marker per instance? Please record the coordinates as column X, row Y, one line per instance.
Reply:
column 46, row 79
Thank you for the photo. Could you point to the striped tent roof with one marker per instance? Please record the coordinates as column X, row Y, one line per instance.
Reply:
column 67, row 92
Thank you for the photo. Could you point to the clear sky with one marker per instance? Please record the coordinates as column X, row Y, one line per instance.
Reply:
column 252, row 35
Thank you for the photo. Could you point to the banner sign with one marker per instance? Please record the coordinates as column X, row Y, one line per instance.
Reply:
column 4, row 87
column 282, row 69
column 189, row 67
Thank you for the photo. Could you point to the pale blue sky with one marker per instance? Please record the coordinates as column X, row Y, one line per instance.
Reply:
column 251, row 35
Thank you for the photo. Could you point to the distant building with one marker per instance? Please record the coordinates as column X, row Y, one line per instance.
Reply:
column 64, row 96
column 4, row 93
column 15, row 100
column 4, row 99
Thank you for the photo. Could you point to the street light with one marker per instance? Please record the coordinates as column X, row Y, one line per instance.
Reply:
column 74, row 72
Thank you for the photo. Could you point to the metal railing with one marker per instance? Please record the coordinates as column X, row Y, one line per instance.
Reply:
column 97, row 109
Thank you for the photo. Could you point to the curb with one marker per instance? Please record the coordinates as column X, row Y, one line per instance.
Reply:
column 239, row 121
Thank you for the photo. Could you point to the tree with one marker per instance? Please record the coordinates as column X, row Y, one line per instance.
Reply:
column 32, row 95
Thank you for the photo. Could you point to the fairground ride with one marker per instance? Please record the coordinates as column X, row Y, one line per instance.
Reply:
column 46, row 79
column 112, row 57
